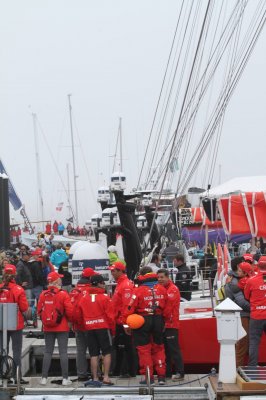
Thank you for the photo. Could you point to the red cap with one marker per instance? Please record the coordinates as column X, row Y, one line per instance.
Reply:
column 10, row 269
column 36, row 252
column 262, row 262
column 118, row 265
column 53, row 276
column 248, row 257
column 245, row 267
column 88, row 272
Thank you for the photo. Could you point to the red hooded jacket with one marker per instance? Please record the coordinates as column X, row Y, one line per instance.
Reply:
column 172, row 319
column 255, row 292
column 19, row 297
column 121, row 298
column 81, row 289
column 64, row 302
column 95, row 311
column 149, row 298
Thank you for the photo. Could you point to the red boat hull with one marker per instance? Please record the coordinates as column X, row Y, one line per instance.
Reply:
column 199, row 345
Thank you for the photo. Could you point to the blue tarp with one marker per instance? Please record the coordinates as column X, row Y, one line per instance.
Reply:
column 216, row 235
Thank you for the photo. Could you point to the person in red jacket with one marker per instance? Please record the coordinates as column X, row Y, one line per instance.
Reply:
column 95, row 312
column 55, row 310
column 55, row 227
column 171, row 344
column 10, row 292
column 255, row 292
column 48, row 228
column 82, row 288
column 149, row 299
column 122, row 342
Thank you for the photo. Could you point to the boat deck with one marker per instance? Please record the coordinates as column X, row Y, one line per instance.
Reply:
column 192, row 387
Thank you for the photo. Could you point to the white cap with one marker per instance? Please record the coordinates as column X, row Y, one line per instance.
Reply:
column 112, row 249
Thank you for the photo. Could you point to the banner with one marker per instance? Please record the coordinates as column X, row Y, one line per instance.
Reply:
column 13, row 197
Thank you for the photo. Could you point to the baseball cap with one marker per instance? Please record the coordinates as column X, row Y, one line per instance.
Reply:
column 245, row 267
column 36, row 252
column 112, row 249
column 53, row 276
column 118, row 265
column 262, row 262
column 248, row 257
column 10, row 269
column 95, row 279
column 88, row 272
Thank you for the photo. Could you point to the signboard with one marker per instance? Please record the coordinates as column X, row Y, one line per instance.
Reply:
column 99, row 265
column 185, row 217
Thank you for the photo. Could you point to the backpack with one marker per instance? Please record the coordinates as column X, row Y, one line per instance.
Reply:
column 6, row 295
column 52, row 312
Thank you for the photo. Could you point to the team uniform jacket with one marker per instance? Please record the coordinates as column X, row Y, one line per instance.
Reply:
column 255, row 292
column 95, row 311
column 173, row 294
column 19, row 297
column 64, row 305
column 121, row 298
column 149, row 298
column 81, row 290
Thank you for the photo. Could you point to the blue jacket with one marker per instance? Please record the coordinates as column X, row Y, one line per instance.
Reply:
column 58, row 256
column 61, row 228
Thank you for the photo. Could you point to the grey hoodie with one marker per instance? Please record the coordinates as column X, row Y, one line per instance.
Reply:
column 234, row 293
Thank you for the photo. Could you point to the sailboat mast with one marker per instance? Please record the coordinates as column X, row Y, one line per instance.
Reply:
column 120, row 132
column 73, row 159
column 38, row 168
column 68, row 191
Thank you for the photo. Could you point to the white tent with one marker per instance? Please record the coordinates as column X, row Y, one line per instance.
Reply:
column 238, row 185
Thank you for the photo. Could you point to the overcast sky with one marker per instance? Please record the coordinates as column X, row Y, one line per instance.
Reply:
column 110, row 55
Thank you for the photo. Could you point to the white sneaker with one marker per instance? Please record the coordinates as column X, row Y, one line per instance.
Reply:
column 43, row 381
column 66, row 382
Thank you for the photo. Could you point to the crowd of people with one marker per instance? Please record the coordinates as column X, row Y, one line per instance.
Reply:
column 100, row 321
column 246, row 286
column 135, row 327
column 58, row 228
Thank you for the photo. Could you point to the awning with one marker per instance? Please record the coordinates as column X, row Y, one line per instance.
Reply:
column 244, row 213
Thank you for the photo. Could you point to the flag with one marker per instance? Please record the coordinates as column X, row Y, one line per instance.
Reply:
column 59, row 206
column 71, row 219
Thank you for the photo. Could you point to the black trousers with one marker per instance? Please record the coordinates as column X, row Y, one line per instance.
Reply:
column 172, row 352
column 151, row 330
column 126, row 358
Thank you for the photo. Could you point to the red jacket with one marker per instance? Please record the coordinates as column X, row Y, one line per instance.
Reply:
column 19, row 297
column 67, row 308
column 149, row 298
column 172, row 319
column 255, row 292
column 76, row 294
column 95, row 311
column 121, row 298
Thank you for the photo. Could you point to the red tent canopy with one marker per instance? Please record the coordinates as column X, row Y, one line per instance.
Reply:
column 244, row 213
column 199, row 217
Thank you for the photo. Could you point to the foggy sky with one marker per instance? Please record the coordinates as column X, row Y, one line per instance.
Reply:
column 110, row 55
